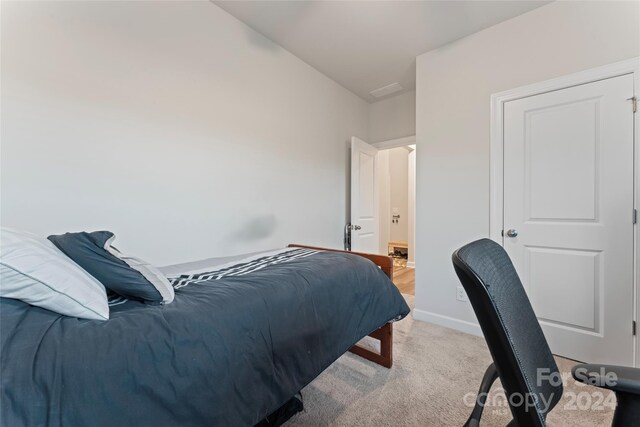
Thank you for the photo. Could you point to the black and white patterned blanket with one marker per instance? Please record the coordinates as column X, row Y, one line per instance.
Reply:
column 242, row 268
column 239, row 268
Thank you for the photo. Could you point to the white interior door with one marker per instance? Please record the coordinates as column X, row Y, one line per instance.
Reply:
column 364, row 197
column 568, row 193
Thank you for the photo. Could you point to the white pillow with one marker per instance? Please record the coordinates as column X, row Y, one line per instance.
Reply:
column 148, row 271
column 33, row 270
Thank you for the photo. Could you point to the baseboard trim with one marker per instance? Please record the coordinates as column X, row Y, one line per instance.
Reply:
column 448, row 322
column 411, row 264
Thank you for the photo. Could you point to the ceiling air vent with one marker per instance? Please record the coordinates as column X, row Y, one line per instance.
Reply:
column 386, row 90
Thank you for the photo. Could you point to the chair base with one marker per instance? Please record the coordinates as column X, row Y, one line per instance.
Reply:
column 627, row 412
column 490, row 376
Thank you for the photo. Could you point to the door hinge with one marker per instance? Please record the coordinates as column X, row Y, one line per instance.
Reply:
column 634, row 103
column 635, row 216
column 502, row 233
column 633, row 327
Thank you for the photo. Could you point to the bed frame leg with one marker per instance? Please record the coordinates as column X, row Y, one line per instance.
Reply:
column 385, row 357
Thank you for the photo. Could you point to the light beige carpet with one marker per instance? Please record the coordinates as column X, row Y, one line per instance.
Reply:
column 434, row 368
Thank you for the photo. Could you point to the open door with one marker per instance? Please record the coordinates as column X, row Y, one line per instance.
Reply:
column 364, row 197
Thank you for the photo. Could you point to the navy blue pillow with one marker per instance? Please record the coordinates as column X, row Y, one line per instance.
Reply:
column 94, row 253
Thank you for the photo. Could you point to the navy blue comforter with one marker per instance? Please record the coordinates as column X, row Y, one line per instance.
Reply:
column 228, row 351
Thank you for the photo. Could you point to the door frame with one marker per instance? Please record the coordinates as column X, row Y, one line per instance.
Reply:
column 496, row 163
column 395, row 143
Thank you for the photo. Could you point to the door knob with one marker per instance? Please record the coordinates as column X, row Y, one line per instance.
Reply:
column 512, row 232
column 357, row 227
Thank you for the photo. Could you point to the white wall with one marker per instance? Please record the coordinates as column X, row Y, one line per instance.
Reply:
column 393, row 117
column 399, row 190
column 172, row 124
column 454, row 85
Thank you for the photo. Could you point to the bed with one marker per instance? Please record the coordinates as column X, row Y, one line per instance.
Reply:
column 241, row 338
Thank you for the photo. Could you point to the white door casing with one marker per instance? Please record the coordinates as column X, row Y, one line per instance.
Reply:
column 568, row 192
column 364, row 197
column 384, row 200
column 411, row 261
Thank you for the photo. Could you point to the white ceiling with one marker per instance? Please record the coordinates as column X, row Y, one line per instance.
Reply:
column 364, row 45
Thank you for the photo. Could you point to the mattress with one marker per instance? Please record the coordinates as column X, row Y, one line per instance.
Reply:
column 212, row 263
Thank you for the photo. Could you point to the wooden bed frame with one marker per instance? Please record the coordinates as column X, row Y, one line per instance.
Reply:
column 385, row 333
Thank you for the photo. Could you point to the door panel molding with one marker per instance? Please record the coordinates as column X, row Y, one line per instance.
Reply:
column 498, row 100
column 364, row 197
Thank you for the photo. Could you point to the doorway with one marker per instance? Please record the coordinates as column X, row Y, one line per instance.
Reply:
column 383, row 204
column 567, row 210
column 396, row 206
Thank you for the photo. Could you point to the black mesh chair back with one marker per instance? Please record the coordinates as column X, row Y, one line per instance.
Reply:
column 520, row 352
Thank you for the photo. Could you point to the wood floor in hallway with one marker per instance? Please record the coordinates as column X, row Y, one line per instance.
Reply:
column 405, row 279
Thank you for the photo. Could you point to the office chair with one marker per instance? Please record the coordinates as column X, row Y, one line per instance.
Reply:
column 521, row 356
